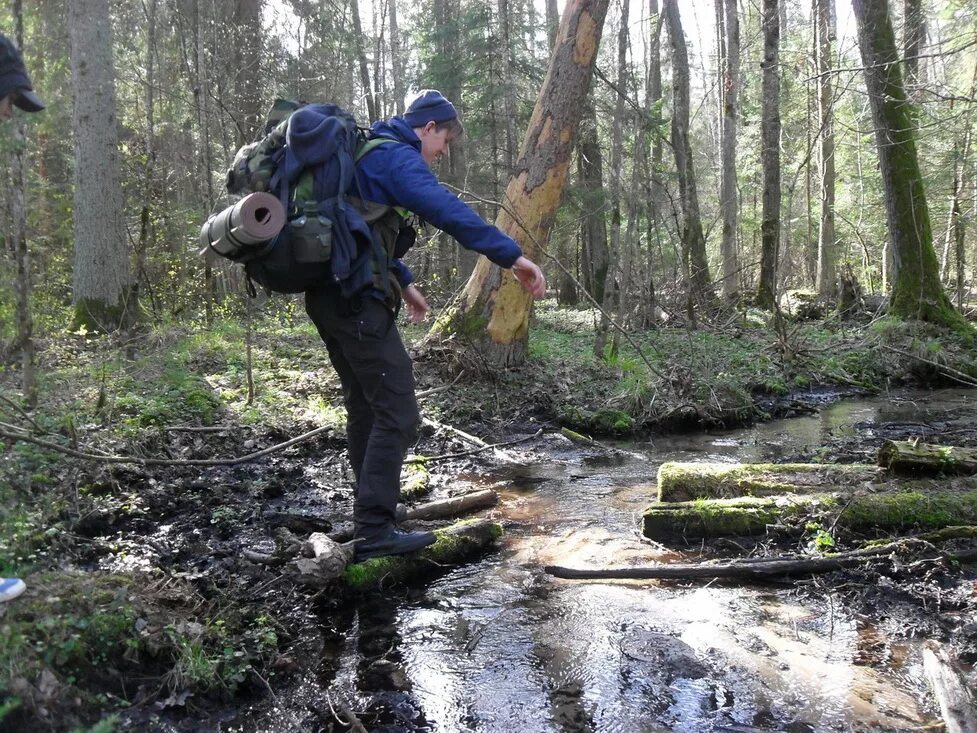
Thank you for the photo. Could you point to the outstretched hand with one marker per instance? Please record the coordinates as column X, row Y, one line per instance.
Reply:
column 530, row 276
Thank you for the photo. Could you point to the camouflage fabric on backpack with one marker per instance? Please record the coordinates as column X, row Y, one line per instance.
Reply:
column 254, row 164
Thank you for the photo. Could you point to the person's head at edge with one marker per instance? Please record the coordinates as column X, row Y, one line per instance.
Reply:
column 15, row 85
column 435, row 122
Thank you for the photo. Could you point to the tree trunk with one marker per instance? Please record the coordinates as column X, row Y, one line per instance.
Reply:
column 494, row 305
column 614, row 287
column 396, row 59
column 914, row 36
column 101, row 261
column 827, row 275
column 552, row 24
column 917, row 291
column 770, row 156
column 728, row 190
column 590, row 166
column 693, row 240
column 18, row 231
column 371, row 103
column 508, row 85
column 247, row 73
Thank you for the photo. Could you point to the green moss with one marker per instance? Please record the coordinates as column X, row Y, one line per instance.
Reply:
column 897, row 511
column 684, row 481
column 453, row 545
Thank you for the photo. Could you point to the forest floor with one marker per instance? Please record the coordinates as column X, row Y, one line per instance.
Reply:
column 142, row 612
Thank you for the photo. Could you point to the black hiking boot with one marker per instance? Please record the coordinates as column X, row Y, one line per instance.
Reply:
column 392, row 541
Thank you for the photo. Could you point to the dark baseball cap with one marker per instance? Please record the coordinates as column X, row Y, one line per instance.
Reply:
column 14, row 81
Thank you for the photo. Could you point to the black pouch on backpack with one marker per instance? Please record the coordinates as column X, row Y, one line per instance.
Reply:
column 311, row 238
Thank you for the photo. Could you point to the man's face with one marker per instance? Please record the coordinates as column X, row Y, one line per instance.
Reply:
column 434, row 142
column 6, row 108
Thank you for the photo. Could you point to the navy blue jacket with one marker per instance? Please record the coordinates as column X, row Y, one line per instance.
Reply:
column 397, row 175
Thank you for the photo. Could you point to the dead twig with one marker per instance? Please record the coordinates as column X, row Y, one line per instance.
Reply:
column 15, row 436
column 448, row 456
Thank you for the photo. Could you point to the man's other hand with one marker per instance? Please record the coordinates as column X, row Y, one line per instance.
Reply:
column 417, row 306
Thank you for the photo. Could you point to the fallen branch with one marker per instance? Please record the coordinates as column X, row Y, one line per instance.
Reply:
column 447, row 456
column 956, row 703
column 442, row 509
column 753, row 570
column 161, row 461
column 955, row 374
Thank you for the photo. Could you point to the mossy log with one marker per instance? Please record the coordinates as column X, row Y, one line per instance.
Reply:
column 687, row 481
column 455, row 545
column 891, row 511
column 911, row 458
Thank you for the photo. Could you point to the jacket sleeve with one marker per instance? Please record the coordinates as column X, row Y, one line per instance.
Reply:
column 411, row 184
column 402, row 272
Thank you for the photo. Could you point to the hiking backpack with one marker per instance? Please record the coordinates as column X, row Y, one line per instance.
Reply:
column 307, row 159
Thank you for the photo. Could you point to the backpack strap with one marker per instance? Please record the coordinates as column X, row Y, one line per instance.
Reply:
column 368, row 147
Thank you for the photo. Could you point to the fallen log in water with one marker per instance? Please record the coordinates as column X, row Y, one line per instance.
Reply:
column 955, row 700
column 893, row 511
column 441, row 509
column 687, row 481
column 760, row 569
column 913, row 458
column 455, row 545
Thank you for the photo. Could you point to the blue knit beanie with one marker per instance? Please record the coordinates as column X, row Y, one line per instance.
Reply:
column 429, row 106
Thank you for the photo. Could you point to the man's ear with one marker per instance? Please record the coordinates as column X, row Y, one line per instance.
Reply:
column 430, row 127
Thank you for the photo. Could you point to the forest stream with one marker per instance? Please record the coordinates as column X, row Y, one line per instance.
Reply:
column 500, row 646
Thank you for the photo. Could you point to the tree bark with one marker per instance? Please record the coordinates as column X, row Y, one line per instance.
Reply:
column 688, row 481
column 590, row 166
column 953, row 694
column 101, row 262
column 728, row 189
column 494, row 307
column 916, row 291
column 907, row 457
column 914, row 36
column 371, row 102
column 22, row 285
column 770, row 156
column 827, row 275
column 693, row 240
column 396, row 59
column 891, row 512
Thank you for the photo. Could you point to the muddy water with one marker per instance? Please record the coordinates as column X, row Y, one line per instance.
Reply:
column 500, row 646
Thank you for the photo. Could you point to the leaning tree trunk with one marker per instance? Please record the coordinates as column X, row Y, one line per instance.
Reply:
column 728, row 195
column 101, row 262
column 916, row 291
column 770, row 155
column 494, row 307
column 693, row 239
column 827, row 254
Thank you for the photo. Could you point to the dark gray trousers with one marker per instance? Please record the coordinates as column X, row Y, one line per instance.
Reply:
column 382, row 417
